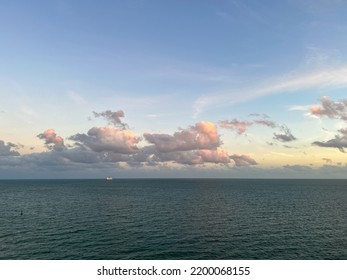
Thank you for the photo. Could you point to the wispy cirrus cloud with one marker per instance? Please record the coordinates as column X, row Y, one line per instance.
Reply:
column 318, row 79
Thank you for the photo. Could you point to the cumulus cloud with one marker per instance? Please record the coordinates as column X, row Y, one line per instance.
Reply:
column 203, row 135
column 197, row 144
column 339, row 142
column 112, row 117
column 109, row 146
column 243, row 160
column 108, row 139
column 52, row 140
column 7, row 149
column 330, row 109
column 285, row 136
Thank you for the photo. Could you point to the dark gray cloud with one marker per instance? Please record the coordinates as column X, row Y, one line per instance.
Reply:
column 195, row 157
column 297, row 167
column 266, row 123
column 285, row 136
column 339, row 142
column 243, row 160
column 112, row 117
column 8, row 149
column 331, row 109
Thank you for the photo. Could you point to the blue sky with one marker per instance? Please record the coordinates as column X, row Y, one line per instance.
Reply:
column 178, row 70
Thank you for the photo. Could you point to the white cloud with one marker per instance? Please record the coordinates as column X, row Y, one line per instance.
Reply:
column 76, row 98
column 291, row 83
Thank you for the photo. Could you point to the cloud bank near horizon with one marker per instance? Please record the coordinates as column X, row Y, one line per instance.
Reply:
column 115, row 146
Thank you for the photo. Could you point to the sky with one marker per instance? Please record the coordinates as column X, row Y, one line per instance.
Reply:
column 151, row 88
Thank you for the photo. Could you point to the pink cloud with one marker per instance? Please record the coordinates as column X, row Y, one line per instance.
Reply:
column 101, row 139
column 51, row 137
column 201, row 136
column 241, row 126
column 330, row 109
column 234, row 124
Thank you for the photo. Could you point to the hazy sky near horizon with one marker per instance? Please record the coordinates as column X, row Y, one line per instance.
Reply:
column 149, row 88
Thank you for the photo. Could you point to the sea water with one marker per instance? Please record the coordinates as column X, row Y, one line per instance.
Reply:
column 173, row 219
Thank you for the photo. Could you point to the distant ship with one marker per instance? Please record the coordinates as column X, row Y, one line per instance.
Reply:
column 108, row 178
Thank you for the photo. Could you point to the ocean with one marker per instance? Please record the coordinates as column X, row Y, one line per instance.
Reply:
column 173, row 219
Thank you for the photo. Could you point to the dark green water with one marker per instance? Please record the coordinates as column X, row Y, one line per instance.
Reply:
column 173, row 219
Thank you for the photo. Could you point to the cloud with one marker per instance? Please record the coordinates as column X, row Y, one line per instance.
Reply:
column 114, row 146
column 197, row 144
column 202, row 135
column 297, row 167
column 104, row 147
column 108, row 139
column 76, row 98
column 196, row 157
column 265, row 116
column 243, row 160
column 112, row 117
column 330, row 109
column 288, row 147
column 285, row 136
column 327, row 160
column 234, row 124
column 7, row 149
column 299, row 107
column 266, row 123
column 339, row 142
column 52, row 141
column 320, row 79
column 241, row 126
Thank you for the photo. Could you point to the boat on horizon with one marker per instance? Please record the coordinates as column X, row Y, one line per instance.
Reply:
column 109, row 179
